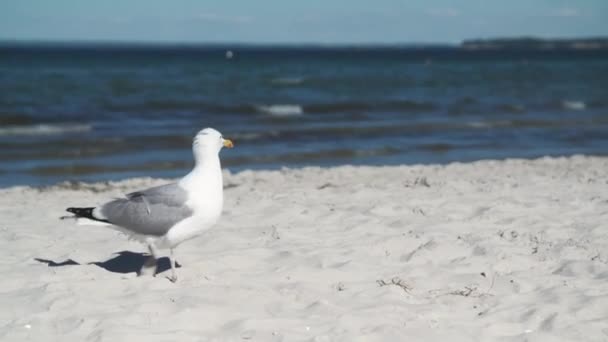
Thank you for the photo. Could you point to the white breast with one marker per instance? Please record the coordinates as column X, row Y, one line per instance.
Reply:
column 205, row 198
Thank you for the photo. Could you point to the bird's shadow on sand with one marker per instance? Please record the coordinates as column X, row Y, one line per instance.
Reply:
column 124, row 262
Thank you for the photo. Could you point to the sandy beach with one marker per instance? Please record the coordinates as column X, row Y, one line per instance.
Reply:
column 511, row 250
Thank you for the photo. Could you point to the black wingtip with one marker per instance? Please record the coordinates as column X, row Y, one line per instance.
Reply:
column 82, row 212
column 85, row 212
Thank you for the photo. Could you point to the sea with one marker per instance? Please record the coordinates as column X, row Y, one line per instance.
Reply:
column 99, row 112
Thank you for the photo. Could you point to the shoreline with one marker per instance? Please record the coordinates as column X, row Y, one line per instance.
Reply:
column 490, row 250
column 143, row 181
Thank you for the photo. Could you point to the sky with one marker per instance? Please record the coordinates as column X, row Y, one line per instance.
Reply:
column 288, row 21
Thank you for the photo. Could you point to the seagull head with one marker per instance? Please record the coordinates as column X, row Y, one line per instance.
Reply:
column 209, row 142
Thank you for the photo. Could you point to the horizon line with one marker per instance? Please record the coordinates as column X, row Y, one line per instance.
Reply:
column 119, row 42
column 217, row 43
column 228, row 42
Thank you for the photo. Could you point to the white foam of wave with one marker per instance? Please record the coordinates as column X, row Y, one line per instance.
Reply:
column 44, row 129
column 282, row 110
column 488, row 124
column 288, row 80
column 574, row 105
column 245, row 136
column 478, row 124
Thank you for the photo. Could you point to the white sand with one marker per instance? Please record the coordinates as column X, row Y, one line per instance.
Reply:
column 492, row 250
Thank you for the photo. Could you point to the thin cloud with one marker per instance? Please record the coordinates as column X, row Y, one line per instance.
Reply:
column 444, row 12
column 219, row 18
column 564, row 12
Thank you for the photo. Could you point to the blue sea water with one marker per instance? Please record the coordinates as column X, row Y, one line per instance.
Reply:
column 106, row 112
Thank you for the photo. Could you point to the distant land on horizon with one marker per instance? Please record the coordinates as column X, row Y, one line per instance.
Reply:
column 533, row 43
column 506, row 43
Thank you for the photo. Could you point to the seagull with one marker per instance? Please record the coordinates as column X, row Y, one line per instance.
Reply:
column 165, row 216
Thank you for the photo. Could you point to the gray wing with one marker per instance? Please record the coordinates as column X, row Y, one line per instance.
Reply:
column 149, row 212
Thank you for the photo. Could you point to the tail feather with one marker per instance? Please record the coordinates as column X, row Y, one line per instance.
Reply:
column 85, row 213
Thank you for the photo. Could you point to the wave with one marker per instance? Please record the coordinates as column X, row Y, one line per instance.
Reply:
column 532, row 123
column 574, row 105
column 154, row 107
column 469, row 105
column 348, row 106
column 249, row 136
column 372, row 130
column 305, row 157
column 510, row 108
column 287, row 80
column 397, row 105
column 282, row 110
column 45, row 129
column 491, row 124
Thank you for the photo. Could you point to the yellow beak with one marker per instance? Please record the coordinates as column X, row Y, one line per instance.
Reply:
column 228, row 143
